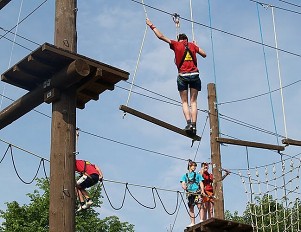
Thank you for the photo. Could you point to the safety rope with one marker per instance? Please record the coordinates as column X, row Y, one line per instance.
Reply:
column 191, row 19
column 266, row 73
column 12, row 49
column 213, row 61
column 138, row 59
column 279, row 73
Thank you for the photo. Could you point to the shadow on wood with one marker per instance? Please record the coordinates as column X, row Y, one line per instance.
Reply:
column 219, row 225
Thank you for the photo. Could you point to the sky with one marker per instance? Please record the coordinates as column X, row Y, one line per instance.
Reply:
column 131, row 150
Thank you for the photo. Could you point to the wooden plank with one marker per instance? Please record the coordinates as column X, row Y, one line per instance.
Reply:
column 3, row 3
column 291, row 142
column 158, row 122
column 250, row 144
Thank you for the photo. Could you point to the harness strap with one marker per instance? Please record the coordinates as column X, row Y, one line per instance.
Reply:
column 187, row 50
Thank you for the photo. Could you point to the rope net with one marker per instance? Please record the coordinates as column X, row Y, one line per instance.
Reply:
column 273, row 194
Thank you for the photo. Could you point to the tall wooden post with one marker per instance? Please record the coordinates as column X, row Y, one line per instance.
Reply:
column 62, row 157
column 215, row 153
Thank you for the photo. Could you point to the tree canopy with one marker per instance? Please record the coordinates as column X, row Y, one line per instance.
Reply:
column 34, row 217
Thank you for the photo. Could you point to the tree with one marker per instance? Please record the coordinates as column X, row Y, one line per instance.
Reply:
column 34, row 217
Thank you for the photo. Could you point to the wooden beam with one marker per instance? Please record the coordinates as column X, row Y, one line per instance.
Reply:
column 158, row 122
column 250, row 144
column 219, row 208
column 3, row 3
column 291, row 142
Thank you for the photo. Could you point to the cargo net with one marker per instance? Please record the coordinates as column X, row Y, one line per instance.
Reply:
column 273, row 194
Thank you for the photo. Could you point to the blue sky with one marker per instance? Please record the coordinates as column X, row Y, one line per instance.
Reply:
column 112, row 32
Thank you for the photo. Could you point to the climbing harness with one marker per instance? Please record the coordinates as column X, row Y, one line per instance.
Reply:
column 188, row 56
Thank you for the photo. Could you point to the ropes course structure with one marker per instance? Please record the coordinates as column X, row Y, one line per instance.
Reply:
column 273, row 193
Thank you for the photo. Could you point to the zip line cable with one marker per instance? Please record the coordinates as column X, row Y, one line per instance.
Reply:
column 24, row 19
column 22, row 149
column 279, row 73
column 289, row 3
column 133, row 146
column 266, row 72
column 20, row 36
column 225, row 32
column 259, row 95
column 276, row 7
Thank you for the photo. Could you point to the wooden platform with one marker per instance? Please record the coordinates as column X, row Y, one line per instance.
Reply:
column 219, row 225
column 48, row 60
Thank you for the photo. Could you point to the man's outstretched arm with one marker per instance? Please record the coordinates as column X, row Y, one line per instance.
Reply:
column 158, row 33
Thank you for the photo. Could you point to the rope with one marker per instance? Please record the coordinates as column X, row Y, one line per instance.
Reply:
column 191, row 19
column 225, row 32
column 201, row 137
column 213, row 60
column 279, row 73
column 12, row 49
column 138, row 60
column 266, row 72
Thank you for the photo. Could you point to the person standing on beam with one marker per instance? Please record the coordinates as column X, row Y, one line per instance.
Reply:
column 188, row 73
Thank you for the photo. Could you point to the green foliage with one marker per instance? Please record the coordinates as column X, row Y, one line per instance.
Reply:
column 34, row 216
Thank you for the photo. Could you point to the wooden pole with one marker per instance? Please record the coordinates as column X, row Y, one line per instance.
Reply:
column 215, row 153
column 63, row 131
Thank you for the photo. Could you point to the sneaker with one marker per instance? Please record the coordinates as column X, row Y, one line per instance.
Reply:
column 80, row 208
column 193, row 130
column 190, row 225
column 87, row 205
column 188, row 128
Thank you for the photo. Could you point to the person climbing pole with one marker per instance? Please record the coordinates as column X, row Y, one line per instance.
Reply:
column 188, row 73
column 192, row 183
column 90, row 175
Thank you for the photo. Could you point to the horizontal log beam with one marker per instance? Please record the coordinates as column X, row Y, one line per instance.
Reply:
column 3, row 3
column 158, row 122
column 250, row 144
column 291, row 142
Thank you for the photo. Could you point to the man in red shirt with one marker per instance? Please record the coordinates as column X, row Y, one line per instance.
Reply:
column 90, row 175
column 188, row 73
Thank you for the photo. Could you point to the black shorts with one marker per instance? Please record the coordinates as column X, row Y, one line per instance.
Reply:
column 186, row 80
column 90, row 181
